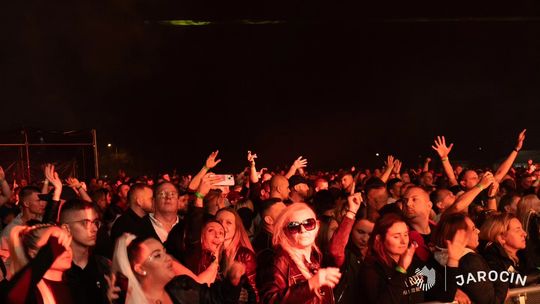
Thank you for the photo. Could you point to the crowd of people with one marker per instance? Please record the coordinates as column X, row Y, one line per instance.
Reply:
column 389, row 235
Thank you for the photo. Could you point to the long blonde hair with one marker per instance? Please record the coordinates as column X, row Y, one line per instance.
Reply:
column 120, row 263
column 240, row 238
column 281, row 238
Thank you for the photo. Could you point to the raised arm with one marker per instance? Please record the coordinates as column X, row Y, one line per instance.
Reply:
column 208, row 180
column 340, row 238
column 79, row 188
column 492, row 196
column 426, row 164
column 6, row 192
column 462, row 202
column 253, row 174
column 389, row 167
column 298, row 164
column 507, row 164
column 210, row 163
column 443, row 150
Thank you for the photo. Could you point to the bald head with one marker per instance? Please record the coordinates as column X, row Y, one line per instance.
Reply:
column 279, row 187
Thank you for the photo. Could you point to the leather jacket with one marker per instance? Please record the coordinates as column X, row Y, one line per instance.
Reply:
column 290, row 286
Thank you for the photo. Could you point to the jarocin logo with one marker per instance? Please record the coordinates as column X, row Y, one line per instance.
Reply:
column 481, row 276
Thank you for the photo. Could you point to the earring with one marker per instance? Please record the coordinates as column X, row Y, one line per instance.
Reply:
column 144, row 272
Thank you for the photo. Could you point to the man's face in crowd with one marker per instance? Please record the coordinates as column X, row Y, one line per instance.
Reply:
column 346, row 182
column 123, row 191
column 82, row 227
column 147, row 198
column 183, row 203
column 34, row 204
column 448, row 198
column 377, row 197
column 427, row 179
column 470, row 179
column 416, row 204
column 302, row 189
column 166, row 199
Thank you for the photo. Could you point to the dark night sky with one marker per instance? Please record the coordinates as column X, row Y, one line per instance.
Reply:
column 333, row 82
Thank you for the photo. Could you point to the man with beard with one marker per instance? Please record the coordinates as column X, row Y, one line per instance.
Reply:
column 300, row 191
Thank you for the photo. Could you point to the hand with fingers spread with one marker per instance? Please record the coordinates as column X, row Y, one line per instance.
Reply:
column 325, row 277
column 521, row 138
column 440, row 146
column 208, row 180
column 389, row 163
column 299, row 163
column 113, row 291
column 52, row 177
column 73, row 182
column 211, row 161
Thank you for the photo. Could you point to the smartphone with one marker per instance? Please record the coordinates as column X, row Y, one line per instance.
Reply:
column 226, row 180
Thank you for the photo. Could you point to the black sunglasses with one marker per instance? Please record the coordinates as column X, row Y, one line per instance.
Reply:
column 295, row 227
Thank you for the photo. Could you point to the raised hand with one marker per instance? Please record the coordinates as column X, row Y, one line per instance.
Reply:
column 235, row 272
column 299, row 163
column 325, row 277
column 521, row 138
column 494, row 189
column 389, row 163
column 440, row 146
column 211, row 161
column 251, row 158
column 354, row 201
column 208, row 180
column 52, row 176
column 406, row 258
column 397, row 167
column 487, row 180
column 2, row 174
column 113, row 291
column 73, row 182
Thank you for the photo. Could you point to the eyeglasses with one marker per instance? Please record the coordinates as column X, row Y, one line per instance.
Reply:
column 170, row 194
column 87, row 223
column 295, row 227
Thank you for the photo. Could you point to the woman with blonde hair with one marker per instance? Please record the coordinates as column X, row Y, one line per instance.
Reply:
column 297, row 275
column 237, row 248
column 506, row 241
column 528, row 210
column 40, row 256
